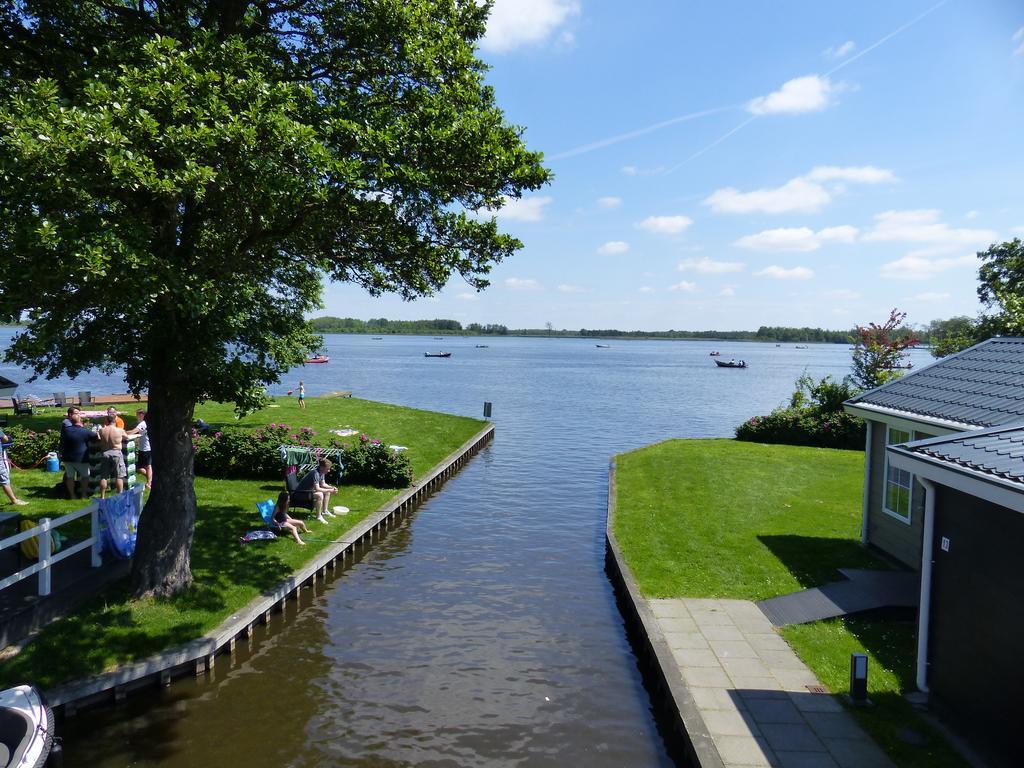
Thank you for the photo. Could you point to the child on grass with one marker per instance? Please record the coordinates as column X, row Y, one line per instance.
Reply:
column 285, row 522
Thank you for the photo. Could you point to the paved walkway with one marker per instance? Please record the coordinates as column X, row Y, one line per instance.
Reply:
column 753, row 692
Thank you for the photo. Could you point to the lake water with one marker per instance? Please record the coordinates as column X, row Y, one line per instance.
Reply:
column 483, row 631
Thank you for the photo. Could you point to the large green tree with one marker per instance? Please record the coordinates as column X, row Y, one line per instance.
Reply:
column 178, row 179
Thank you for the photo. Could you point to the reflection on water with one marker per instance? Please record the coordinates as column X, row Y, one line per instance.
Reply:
column 483, row 631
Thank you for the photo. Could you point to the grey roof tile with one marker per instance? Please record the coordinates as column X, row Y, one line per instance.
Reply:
column 998, row 452
column 982, row 386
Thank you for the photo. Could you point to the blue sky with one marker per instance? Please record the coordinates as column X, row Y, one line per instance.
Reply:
column 739, row 163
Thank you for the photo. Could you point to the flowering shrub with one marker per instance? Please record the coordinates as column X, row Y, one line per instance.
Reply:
column 30, row 448
column 242, row 453
column 803, row 426
column 814, row 417
column 368, row 461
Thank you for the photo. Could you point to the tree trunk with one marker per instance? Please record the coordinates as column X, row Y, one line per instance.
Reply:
column 162, row 562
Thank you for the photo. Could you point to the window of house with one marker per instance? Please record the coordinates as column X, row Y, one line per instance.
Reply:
column 897, row 481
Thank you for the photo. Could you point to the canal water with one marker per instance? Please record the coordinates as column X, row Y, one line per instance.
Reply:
column 483, row 631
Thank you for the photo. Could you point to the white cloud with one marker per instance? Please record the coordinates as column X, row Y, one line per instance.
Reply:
column 843, row 294
column 865, row 174
column 613, row 247
column 930, row 296
column 810, row 93
column 665, row 225
column 609, row 202
column 467, row 296
column 915, row 266
column 645, row 289
column 1018, row 37
column 630, row 170
column 925, row 226
column 522, row 284
column 727, row 292
column 803, row 194
column 795, row 195
column 797, row 238
column 840, row 51
column 683, row 285
column 565, row 288
column 515, row 23
column 523, row 208
column 971, row 215
column 706, row 266
column 780, row 273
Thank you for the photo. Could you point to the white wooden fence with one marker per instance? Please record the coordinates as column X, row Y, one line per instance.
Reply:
column 47, row 558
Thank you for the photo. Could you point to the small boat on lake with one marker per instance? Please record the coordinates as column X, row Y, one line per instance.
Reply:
column 437, row 354
column 731, row 363
column 481, row 346
column 26, row 728
column 376, row 338
column 603, row 346
column 319, row 357
column 801, row 346
column 716, row 353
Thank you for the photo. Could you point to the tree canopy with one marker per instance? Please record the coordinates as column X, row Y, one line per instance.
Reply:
column 179, row 178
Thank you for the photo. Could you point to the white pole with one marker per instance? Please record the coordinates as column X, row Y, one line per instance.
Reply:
column 44, row 556
column 866, row 501
column 924, row 609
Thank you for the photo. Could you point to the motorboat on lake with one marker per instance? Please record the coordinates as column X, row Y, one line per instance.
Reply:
column 26, row 728
column 716, row 353
column 437, row 354
column 603, row 346
column 731, row 363
column 319, row 357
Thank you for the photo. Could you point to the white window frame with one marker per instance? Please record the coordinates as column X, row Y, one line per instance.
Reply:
column 885, row 477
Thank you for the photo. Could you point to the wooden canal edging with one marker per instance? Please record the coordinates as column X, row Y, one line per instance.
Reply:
column 198, row 656
column 670, row 695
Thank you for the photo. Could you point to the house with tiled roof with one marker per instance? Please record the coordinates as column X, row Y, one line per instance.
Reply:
column 944, row 493
column 980, row 387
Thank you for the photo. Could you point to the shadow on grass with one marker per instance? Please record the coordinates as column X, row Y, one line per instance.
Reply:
column 86, row 642
column 815, row 560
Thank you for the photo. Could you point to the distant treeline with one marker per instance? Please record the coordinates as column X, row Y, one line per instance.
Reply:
column 382, row 326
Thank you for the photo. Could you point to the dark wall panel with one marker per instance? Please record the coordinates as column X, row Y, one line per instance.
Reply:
column 977, row 624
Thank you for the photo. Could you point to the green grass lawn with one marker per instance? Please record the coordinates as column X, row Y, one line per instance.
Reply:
column 729, row 519
column 113, row 629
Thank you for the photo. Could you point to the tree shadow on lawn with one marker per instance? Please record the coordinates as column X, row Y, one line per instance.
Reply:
column 89, row 640
column 220, row 562
column 815, row 560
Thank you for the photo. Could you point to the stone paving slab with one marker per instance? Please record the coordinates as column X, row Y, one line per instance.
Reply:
column 751, row 690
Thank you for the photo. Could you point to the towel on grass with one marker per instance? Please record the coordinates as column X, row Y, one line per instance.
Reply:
column 263, row 535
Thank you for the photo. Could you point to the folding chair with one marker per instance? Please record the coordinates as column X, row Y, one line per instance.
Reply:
column 60, row 400
column 85, row 398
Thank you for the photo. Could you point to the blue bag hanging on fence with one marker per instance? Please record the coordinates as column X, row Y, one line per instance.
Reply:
column 119, row 522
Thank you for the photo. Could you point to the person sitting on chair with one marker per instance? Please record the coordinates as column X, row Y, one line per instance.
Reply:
column 315, row 483
column 282, row 521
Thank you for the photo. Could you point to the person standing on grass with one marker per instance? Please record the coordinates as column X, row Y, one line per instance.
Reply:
column 302, row 396
column 5, row 472
column 111, row 439
column 145, row 456
column 74, row 450
column 118, row 421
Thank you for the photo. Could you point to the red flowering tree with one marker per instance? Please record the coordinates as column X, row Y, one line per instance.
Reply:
column 880, row 351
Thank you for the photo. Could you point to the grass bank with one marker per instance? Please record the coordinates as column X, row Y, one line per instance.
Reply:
column 727, row 519
column 113, row 629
